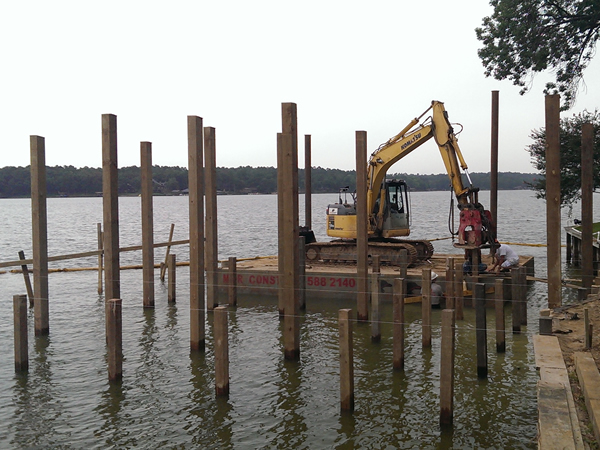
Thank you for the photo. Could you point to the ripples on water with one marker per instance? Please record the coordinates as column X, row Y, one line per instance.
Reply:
column 167, row 398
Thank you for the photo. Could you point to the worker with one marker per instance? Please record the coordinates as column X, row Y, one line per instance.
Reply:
column 436, row 292
column 506, row 258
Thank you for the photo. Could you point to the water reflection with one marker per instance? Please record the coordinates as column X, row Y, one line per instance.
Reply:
column 110, row 411
column 36, row 395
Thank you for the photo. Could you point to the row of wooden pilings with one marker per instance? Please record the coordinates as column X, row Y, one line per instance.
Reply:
column 203, row 228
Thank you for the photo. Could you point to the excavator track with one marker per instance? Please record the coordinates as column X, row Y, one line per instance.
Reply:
column 341, row 251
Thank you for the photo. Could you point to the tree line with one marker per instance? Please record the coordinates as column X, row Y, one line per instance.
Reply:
column 87, row 181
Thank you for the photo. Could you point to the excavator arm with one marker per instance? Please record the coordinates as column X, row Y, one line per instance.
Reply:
column 475, row 228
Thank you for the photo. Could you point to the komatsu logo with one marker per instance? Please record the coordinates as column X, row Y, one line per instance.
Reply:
column 414, row 139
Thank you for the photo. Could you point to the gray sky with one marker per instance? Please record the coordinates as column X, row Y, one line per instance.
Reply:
column 348, row 65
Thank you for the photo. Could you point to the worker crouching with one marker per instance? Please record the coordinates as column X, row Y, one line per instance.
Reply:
column 505, row 259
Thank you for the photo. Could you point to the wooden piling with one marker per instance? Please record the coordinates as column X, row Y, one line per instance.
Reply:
column 100, row 256
column 28, row 286
column 587, row 189
column 523, row 294
column 481, row 333
column 171, row 288
column 110, row 206
column 221, row 352
column 447, row 368
column 346, row 360
column 398, row 314
column 403, row 263
column 302, row 271
column 362, row 267
column 450, row 294
column 288, row 250
column 515, row 280
column 147, row 224
column 232, row 281
column 376, row 263
column 426, row 307
column 494, row 159
column 163, row 266
column 21, row 342
column 459, row 299
column 500, row 322
column 553, row 226
column 212, row 235
column 375, row 311
column 307, row 182
column 39, row 223
column 114, row 339
column 196, row 227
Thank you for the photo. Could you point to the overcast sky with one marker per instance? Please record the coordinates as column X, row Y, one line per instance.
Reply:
column 348, row 65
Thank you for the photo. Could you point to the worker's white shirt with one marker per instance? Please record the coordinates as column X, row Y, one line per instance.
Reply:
column 509, row 254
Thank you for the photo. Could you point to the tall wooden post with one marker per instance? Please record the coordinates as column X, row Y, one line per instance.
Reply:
column 196, row 211
column 553, row 199
column 221, row 352
column 481, row 333
column 100, row 256
column 114, row 339
column 494, row 159
column 346, row 360
column 447, row 368
column 110, row 196
column 426, row 307
column 21, row 342
column 587, row 189
column 288, row 251
column 307, row 182
column 39, row 224
column 212, row 248
column 147, row 225
column 362, row 281
column 499, row 309
column 398, row 314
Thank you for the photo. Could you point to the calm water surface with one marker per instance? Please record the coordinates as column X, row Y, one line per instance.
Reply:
column 167, row 397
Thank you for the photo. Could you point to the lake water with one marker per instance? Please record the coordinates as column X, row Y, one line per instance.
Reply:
column 167, row 396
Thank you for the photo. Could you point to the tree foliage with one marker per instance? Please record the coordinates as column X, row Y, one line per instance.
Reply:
column 570, row 156
column 86, row 181
column 524, row 37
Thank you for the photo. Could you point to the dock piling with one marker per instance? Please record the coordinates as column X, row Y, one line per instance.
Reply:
column 499, row 309
column 39, row 224
column 346, row 360
column 447, row 368
column 481, row 327
column 171, row 288
column 147, row 224
column 114, row 339
column 21, row 342
column 398, row 314
column 426, row 307
column 232, row 281
column 212, row 235
column 362, row 267
column 375, row 311
column 221, row 351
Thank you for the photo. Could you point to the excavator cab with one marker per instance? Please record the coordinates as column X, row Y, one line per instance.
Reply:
column 396, row 218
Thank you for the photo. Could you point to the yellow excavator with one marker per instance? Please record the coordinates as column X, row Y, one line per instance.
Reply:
column 388, row 201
